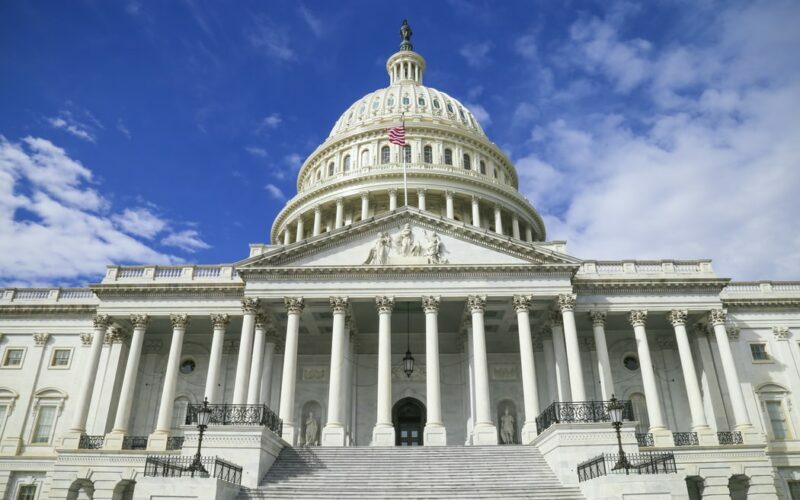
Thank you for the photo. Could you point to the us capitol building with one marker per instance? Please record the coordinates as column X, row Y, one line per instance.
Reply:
column 427, row 342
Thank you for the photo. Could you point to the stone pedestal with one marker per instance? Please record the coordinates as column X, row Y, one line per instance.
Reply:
column 662, row 437
column 185, row 487
column 484, row 434
column 157, row 441
column 706, row 436
column 528, row 433
column 70, row 440
column 333, row 435
column 383, row 435
column 750, row 435
column 434, row 435
column 114, row 440
column 290, row 433
column 10, row 446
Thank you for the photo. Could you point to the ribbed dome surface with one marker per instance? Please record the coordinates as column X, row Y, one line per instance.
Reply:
column 411, row 101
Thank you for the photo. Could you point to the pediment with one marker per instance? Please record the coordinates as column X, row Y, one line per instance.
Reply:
column 408, row 238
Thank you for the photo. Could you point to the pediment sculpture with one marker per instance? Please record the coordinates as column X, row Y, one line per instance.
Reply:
column 404, row 248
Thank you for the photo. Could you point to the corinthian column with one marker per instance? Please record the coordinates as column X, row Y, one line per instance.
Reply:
column 219, row 322
column 476, row 212
column 638, row 319
column 72, row 438
column 566, row 302
column 315, row 230
column 560, row 357
column 435, row 433
column 604, row 369
column 339, row 220
column 484, row 431
column 249, row 308
column 294, row 308
column 158, row 439
column 392, row 199
column 115, row 438
column 364, row 205
column 383, row 433
column 717, row 319
column 449, row 211
column 334, row 432
column 530, row 392
column 257, row 365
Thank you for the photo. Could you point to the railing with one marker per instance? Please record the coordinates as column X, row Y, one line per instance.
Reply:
column 685, row 439
column 130, row 272
column 168, row 272
column 638, row 463
column 91, row 442
column 584, row 411
column 32, row 294
column 729, row 437
column 644, row 439
column 226, row 414
column 175, row 442
column 134, row 443
column 179, row 466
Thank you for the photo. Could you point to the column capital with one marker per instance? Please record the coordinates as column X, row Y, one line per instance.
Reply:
column 555, row 318
column 430, row 304
column 521, row 303
column 41, row 338
column 677, row 317
column 179, row 321
column 115, row 335
column 566, row 302
column 101, row 321
column 732, row 331
column 365, row 195
column 475, row 199
column 421, row 191
column 294, row 305
column 717, row 316
column 448, row 194
column 261, row 320
column 780, row 332
column 339, row 304
column 700, row 328
column 250, row 305
column 384, row 304
column 598, row 318
column 140, row 320
column 220, row 320
column 497, row 207
column 317, row 209
column 393, row 191
column 476, row 303
column 340, row 201
column 637, row 317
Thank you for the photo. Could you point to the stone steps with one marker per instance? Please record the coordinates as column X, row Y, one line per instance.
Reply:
column 467, row 472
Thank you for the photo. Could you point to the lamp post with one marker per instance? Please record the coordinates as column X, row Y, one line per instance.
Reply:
column 615, row 410
column 408, row 359
column 203, row 417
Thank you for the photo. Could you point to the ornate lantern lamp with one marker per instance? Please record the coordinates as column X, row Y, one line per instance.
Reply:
column 616, row 409
column 408, row 359
column 203, row 417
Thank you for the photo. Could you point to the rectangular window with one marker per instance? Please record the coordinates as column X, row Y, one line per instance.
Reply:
column 794, row 490
column 60, row 358
column 27, row 492
column 777, row 419
column 3, row 414
column 759, row 352
column 44, row 424
column 13, row 357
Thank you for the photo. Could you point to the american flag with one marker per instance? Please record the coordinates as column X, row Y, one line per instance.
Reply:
column 397, row 135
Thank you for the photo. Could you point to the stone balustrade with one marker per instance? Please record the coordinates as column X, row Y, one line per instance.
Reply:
column 25, row 295
column 592, row 268
column 133, row 274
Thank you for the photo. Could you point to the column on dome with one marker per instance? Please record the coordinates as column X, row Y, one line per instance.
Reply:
column 339, row 221
column 114, row 439
column 528, row 234
column 365, row 205
column 530, row 392
column 566, row 302
column 434, row 433
column 484, row 431
column 476, row 212
column 287, row 236
column 717, row 319
column 250, row 306
column 158, row 439
column 294, row 309
column 317, row 221
column 515, row 226
column 257, row 360
column 449, row 211
column 72, row 438
column 421, row 198
column 661, row 435
column 705, row 435
column 393, row 199
column 333, row 434
column 383, row 433
column 219, row 323
column 603, row 364
column 299, row 235
column 498, row 220
column 560, row 357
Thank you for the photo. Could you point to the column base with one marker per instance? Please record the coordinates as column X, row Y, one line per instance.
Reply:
column 71, row 440
column 705, row 435
column 528, row 432
column 484, row 434
column 10, row 446
column 434, row 435
column 750, row 435
column 333, row 435
column 114, row 440
column 290, row 433
column 157, row 441
column 383, row 435
column 662, row 437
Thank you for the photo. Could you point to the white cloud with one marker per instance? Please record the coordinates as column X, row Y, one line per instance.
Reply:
column 294, row 160
column 314, row 23
column 187, row 240
column 526, row 46
column 275, row 191
column 271, row 121
column 271, row 39
column 480, row 114
column 66, row 122
column 123, row 129
column 54, row 227
column 140, row 222
column 477, row 53
column 256, row 151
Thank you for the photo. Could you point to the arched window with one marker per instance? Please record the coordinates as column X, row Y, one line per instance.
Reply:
column 376, row 103
column 448, row 156
column 421, row 101
column 390, row 101
column 364, row 158
column 406, row 100
column 436, row 103
column 385, row 154
column 427, row 154
column 483, row 167
column 331, row 169
column 407, row 153
column 347, row 163
column 467, row 162
column 773, row 403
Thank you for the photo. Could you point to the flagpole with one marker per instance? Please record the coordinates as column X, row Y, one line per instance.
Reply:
column 403, row 154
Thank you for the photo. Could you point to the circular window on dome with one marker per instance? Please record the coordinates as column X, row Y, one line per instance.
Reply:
column 188, row 366
column 631, row 362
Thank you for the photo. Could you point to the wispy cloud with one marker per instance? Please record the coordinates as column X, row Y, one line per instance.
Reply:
column 140, row 222
column 256, row 151
column 82, row 128
column 480, row 113
column 272, row 40
column 123, row 129
column 477, row 53
column 315, row 24
column 187, row 240
column 271, row 121
column 275, row 192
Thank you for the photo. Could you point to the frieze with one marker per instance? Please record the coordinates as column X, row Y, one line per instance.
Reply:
column 732, row 331
column 404, row 248
column 41, row 338
column 86, row 339
column 418, row 375
column 780, row 332
column 314, row 374
column 504, row 372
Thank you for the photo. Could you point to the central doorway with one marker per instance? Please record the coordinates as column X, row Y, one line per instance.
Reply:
column 408, row 416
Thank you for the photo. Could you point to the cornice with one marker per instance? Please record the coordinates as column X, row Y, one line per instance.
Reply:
column 169, row 289
column 702, row 285
column 422, row 271
column 48, row 309
column 761, row 302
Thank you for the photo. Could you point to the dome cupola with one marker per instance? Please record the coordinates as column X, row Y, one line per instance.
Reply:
column 405, row 66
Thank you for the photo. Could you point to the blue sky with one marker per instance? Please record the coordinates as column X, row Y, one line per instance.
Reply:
column 171, row 131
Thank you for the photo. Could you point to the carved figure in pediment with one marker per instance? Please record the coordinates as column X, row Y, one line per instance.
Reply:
column 312, row 429
column 507, row 427
column 434, row 250
column 405, row 244
column 379, row 253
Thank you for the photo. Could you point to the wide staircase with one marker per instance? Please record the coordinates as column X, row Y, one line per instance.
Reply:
column 420, row 472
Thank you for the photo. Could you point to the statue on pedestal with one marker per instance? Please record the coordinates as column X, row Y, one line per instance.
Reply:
column 507, row 427
column 312, row 429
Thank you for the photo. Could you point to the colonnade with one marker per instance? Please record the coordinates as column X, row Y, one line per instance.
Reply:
column 258, row 341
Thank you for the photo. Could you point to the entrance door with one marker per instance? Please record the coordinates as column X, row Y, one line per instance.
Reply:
column 409, row 422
